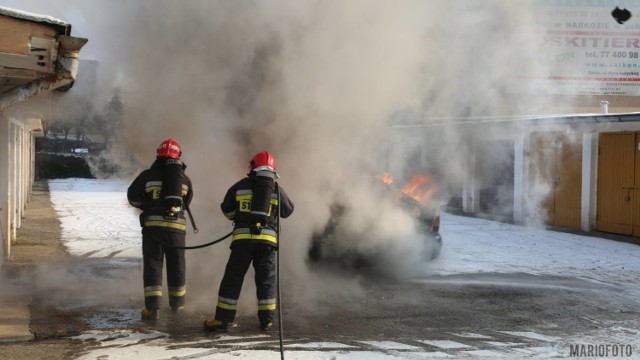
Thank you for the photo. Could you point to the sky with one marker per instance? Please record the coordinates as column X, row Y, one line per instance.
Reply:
column 98, row 224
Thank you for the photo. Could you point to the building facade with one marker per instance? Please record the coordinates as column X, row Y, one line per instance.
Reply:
column 37, row 55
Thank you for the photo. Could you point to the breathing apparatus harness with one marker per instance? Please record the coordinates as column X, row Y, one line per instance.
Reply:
column 195, row 231
column 264, row 185
column 172, row 202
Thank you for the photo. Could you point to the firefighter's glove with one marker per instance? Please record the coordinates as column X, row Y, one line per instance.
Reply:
column 256, row 228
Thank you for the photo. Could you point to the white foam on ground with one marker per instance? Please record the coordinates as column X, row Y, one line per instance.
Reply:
column 445, row 344
column 390, row 345
column 531, row 335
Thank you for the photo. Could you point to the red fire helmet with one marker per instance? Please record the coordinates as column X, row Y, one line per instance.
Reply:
column 169, row 148
column 262, row 161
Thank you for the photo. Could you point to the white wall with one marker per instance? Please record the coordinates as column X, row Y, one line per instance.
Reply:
column 16, row 175
column 4, row 185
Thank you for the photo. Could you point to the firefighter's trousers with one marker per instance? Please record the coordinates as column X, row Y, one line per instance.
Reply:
column 243, row 253
column 153, row 254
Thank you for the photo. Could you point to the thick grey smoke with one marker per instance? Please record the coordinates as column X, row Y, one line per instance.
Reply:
column 314, row 82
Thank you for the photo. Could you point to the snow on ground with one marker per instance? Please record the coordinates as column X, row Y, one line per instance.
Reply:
column 96, row 218
column 472, row 245
column 98, row 222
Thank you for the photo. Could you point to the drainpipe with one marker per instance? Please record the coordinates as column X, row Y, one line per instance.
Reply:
column 65, row 74
column 604, row 107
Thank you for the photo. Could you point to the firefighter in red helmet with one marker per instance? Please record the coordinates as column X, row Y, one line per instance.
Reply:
column 253, row 204
column 163, row 192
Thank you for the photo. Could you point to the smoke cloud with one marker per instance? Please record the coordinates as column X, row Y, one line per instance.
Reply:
column 317, row 83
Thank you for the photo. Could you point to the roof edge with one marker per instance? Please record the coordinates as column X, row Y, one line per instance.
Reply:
column 19, row 14
column 534, row 119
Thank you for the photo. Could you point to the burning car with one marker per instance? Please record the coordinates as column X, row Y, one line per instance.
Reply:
column 334, row 243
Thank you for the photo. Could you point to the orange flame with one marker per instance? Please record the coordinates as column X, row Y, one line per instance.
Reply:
column 421, row 188
column 387, row 178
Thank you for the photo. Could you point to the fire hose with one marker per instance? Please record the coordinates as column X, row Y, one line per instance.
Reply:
column 278, row 302
column 195, row 231
column 196, row 246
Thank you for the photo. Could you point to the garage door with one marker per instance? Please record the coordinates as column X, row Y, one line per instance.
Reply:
column 617, row 191
column 556, row 160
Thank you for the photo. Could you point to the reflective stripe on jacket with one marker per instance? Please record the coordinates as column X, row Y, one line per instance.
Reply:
column 144, row 193
column 268, row 235
column 237, row 207
column 242, row 216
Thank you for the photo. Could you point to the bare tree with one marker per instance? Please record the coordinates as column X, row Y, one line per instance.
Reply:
column 111, row 118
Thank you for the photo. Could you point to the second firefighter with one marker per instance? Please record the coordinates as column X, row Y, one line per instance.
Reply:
column 254, row 204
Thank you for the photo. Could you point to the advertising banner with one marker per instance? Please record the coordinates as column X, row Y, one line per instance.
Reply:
column 590, row 47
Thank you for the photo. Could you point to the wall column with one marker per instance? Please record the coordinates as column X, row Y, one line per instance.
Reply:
column 13, row 176
column 469, row 190
column 518, row 179
column 589, row 171
column 19, row 174
column 4, row 186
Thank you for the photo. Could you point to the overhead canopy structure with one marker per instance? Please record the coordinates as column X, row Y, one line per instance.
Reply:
column 37, row 54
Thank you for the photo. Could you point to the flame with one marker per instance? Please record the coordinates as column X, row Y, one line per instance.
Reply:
column 387, row 178
column 421, row 188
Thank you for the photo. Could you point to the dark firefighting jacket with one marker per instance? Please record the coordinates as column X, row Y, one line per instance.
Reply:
column 145, row 193
column 236, row 206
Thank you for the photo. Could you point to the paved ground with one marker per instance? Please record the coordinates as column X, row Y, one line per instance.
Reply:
column 22, row 321
column 480, row 315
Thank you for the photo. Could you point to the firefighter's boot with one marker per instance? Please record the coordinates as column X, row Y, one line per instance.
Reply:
column 150, row 314
column 216, row 325
column 177, row 310
column 266, row 326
